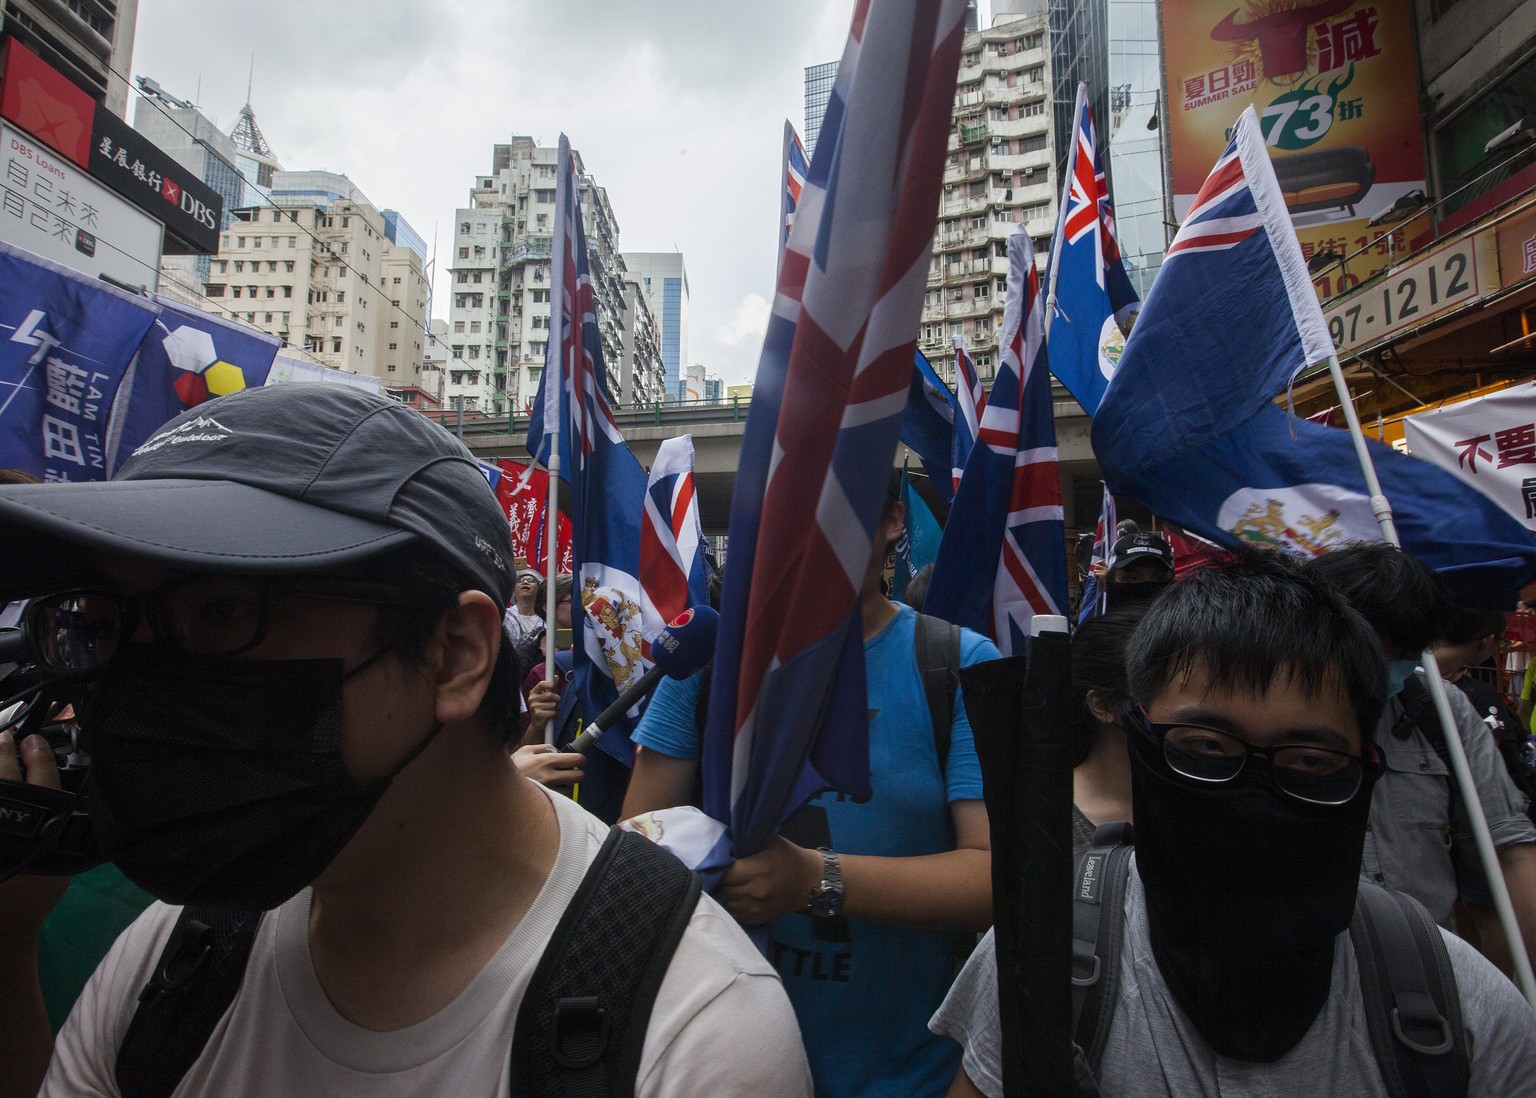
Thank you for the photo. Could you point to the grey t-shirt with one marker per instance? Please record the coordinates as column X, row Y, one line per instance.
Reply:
column 1154, row 1052
column 1412, row 813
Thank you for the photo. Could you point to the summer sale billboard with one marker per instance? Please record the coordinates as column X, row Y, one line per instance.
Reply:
column 1335, row 85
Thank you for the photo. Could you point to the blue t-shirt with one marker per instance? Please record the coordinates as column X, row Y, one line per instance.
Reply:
column 864, row 1004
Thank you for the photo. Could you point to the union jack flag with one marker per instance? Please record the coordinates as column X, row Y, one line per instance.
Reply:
column 572, row 419
column 795, row 167
column 1008, row 509
column 1225, row 212
column 1092, row 303
column 972, row 400
column 788, row 710
column 673, row 574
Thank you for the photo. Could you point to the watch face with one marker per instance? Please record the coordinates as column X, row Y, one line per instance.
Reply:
column 826, row 903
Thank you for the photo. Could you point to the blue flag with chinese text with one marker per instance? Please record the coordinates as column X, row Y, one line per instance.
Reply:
column 65, row 344
column 1190, row 428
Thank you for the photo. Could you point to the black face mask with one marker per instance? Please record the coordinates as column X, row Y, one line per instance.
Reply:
column 1247, row 889
column 1118, row 596
column 221, row 783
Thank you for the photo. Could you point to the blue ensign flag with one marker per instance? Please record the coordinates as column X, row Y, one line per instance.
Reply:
column 928, row 426
column 1190, row 428
column 65, row 344
column 607, row 483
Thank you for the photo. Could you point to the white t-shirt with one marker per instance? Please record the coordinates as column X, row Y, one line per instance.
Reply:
column 722, row 1024
column 519, row 625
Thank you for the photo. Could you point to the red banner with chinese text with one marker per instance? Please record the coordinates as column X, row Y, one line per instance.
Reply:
column 526, row 504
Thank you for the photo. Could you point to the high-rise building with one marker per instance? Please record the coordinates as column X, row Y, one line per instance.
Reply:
column 642, row 377
column 500, row 279
column 998, row 172
column 256, row 161
column 89, row 41
column 192, row 139
column 318, row 268
column 665, row 281
column 1111, row 45
column 818, row 90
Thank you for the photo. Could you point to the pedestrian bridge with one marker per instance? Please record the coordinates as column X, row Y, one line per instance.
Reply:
column 717, row 432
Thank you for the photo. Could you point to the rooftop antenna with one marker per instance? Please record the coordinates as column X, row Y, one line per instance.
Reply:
column 251, row 78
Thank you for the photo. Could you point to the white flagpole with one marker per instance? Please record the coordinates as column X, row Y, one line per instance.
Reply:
column 1053, row 264
column 1519, row 957
column 554, row 410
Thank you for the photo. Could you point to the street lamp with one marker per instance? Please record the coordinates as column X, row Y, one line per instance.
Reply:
column 1406, row 204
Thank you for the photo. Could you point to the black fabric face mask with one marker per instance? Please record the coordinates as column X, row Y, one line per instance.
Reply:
column 1118, row 596
column 221, row 783
column 1247, row 889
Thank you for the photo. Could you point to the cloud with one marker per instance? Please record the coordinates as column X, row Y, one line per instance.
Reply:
column 748, row 322
column 676, row 108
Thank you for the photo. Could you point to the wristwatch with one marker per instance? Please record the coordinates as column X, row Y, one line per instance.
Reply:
column 827, row 897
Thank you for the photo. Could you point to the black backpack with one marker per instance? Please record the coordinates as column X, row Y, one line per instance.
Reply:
column 582, row 1021
column 1412, row 1006
column 1418, row 711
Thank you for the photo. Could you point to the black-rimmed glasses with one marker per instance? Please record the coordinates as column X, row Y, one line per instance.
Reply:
column 200, row 615
column 1316, row 775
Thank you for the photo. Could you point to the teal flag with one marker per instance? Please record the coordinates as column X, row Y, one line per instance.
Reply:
column 919, row 541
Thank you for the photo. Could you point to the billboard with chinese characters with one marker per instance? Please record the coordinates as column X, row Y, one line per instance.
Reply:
column 43, row 103
column 1335, row 85
column 50, row 207
column 1489, row 442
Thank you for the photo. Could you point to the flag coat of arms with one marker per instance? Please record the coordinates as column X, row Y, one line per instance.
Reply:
column 187, row 357
column 1092, row 302
column 1190, row 428
column 607, row 483
column 787, row 714
column 65, row 345
column 1003, row 556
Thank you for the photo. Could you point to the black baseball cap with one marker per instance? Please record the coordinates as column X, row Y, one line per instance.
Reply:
column 270, row 481
column 1134, row 547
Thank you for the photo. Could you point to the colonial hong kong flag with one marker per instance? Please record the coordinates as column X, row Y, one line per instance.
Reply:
column 673, row 574
column 971, row 401
column 1092, row 301
column 1003, row 558
column 1103, row 542
column 788, row 711
column 795, row 167
column 1190, row 428
column 607, row 483
column 930, row 425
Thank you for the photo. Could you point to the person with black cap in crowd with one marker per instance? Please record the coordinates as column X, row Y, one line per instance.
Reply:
column 282, row 626
column 1140, row 567
column 1255, row 691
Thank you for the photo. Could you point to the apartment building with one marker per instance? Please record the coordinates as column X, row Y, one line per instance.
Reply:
column 89, row 41
column 499, row 307
column 998, row 174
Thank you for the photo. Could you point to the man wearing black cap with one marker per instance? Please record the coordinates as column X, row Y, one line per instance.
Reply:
column 283, row 620
column 1140, row 566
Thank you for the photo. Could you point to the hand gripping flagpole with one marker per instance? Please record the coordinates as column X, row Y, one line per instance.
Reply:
column 1382, row 509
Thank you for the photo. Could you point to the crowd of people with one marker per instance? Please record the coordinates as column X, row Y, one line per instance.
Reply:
column 325, row 716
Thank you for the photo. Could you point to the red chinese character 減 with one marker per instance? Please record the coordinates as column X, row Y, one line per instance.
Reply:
column 1351, row 39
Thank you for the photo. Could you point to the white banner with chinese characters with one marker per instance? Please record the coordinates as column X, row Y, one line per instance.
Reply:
column 52, row 208
column 1489, row 442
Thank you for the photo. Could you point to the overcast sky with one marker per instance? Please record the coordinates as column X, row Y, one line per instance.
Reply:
column 677, row 107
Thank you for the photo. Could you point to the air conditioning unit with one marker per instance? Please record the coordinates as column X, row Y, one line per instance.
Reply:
column 949, row 186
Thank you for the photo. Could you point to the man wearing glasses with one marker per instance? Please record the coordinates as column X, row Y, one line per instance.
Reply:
column 1255, row 692
column 281, row 629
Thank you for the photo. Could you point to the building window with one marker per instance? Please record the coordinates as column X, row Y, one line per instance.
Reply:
column 234, row 291
column 336, row 322
column 394, row 324
column 1032, row 110
column 458, row 327
column 392, row 347
column 341, row 297
column 463, row 253
column 336, row 345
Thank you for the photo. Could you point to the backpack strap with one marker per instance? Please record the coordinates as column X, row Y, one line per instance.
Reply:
column 196, row 979
column 1098, row 931
column 583, row 1019
column 938, row 668
column 1412, row 1005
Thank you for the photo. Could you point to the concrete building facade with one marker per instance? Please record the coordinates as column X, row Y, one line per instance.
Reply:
column 317, row 269
column 999, row 173
column 642, row 376
column 89, row 41
column 499, row 305
column 664, row 277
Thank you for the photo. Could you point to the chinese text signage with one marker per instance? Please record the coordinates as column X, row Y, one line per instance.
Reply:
column 1334, row 84
column 1489, row 442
